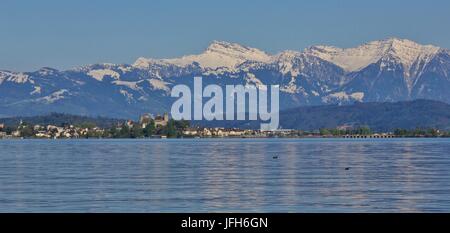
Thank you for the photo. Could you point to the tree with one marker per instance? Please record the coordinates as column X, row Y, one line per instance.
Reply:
column 433, row 132
column 149, row 129
column 136, row 131
column 182, row 124
column 124, row 132
column 87, row 125
column 401, row 132
column 26, row 131
column 8, row 129
column 324, row 132
column 364, row 130
column 171, row 130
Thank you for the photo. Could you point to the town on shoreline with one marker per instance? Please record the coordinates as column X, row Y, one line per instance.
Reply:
column 161, row 126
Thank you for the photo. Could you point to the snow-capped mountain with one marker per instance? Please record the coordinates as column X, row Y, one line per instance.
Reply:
column 218, row 55
column 354, row 59
column 386, row 70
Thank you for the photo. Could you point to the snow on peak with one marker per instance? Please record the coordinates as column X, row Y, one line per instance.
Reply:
column 354, row 59
column 46, row 71
column 222, row 56
column 143, row 62
column 287, row 55
column 286, row 62
column 131, row 85
column 233, row 50
column 343, row 96
column 218, row 54
column 159, row 85
column 101, row 73
column 55, row 96
column 14, row 77
column 408, row 52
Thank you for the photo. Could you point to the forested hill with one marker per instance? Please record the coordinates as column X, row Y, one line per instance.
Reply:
column 378, row 116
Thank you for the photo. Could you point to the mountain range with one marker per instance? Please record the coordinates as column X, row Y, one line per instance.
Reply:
column 387, row 70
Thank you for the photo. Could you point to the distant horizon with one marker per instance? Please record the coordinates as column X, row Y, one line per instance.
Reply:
column 64, row 35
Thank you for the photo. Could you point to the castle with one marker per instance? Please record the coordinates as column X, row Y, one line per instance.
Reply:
column 146, row 118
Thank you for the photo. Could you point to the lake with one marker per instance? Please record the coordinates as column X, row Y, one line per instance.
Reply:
column 225, row 175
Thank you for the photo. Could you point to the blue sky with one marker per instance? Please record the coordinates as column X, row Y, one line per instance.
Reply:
column 63, row 34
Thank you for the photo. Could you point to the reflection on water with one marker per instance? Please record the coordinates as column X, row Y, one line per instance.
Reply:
column 225, row 175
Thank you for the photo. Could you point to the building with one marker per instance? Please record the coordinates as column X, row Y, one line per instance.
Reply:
column 16, row 133
column 145, row 119
column 191, row 132
column 344, row 127
column 129, row 123
column 2, row 126
column 162, row 120
column 38, row 128
column 159, row 120
column 206, row 132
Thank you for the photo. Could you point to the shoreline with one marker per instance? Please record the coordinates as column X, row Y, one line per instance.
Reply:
column 218, row 138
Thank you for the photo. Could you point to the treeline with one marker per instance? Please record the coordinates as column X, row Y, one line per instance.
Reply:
column 421, row 133
column 173, row 129
column 365, row 130
column 61, row 119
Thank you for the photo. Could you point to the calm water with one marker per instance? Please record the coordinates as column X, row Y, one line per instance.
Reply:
column 225, row 175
